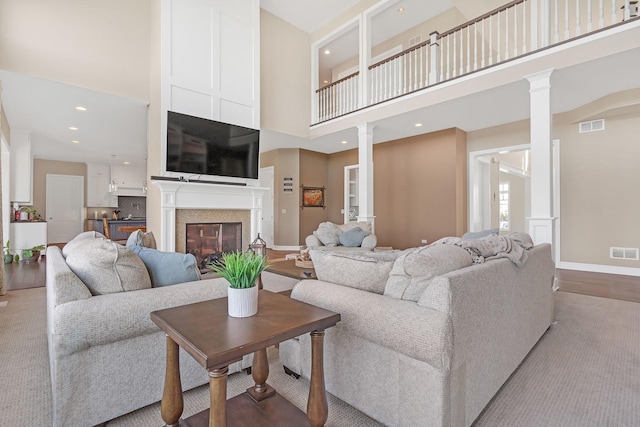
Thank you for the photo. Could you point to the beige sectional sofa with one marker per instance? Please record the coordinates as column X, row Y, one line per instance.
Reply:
column 106, row 356
column 427, row 337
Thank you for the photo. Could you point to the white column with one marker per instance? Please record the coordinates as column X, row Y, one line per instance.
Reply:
column 365, row 172
column 365, row 60
column 541, row 222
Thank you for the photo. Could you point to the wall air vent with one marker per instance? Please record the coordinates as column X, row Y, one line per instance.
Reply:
column 416, row 40
column 624, row 253
column 591, row 126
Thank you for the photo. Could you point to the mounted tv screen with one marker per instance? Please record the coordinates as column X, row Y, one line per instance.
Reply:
column 197, row 146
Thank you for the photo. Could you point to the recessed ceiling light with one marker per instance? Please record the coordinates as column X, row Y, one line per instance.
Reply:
column 126, row 163
column 326, row 81
column 73, row 128
column 503, row 152
column 81, row 108
column 327, row 51
column 75, row 141
column 418, row 125
column 400, row 9
column 343, row 142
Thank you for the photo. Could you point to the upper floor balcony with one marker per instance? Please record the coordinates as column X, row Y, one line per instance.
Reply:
column 371, row 73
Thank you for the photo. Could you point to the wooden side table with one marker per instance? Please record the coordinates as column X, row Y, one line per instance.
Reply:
column 216, row 340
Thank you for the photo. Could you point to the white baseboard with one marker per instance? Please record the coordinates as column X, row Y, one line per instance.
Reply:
column 285, row 248
column 598, row 268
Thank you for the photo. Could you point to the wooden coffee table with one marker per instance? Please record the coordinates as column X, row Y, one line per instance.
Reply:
column 290, row 269
column 216, row 340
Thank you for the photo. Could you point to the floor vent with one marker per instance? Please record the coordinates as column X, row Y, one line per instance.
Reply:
column 591, row 126
column 624, row 253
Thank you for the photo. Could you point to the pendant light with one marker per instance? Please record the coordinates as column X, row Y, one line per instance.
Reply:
column 113, row 184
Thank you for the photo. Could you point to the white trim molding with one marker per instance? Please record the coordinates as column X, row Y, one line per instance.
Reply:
column 600, row 268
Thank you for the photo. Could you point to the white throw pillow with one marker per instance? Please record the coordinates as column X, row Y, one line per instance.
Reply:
column 327, row 233
column 79, row 239
column 367, row 271
column 107, row 267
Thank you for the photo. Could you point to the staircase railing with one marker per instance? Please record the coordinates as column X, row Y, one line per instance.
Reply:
column 511, row 31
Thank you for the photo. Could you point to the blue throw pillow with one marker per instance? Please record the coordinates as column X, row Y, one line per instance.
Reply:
column 167, row 268
column 480, row 234
column 352, row 238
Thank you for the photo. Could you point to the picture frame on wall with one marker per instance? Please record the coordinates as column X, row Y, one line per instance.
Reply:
column 312, row 197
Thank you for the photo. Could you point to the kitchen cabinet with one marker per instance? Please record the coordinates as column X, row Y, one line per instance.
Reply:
column 21, row 190
column 27, row 234
column 98, row 179
column 97, row 225
column 130, row 179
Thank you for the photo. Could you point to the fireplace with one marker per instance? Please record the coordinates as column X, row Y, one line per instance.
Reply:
column 208, row 241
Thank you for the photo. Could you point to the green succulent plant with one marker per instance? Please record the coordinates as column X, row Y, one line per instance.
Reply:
column 241, row 269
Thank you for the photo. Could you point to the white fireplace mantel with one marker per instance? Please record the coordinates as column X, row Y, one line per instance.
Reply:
column 196, row 195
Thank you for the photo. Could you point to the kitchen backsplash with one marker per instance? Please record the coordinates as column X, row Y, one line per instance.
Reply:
column 134, row 205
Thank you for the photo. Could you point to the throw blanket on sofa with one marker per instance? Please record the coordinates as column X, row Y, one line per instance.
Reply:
column 492, row 247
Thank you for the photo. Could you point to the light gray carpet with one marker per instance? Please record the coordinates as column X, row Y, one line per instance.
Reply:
column 584, row 372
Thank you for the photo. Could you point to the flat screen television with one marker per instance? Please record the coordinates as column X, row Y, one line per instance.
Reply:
column 197, row 146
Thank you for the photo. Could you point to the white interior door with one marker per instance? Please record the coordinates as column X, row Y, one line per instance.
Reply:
column 65, row 207
column 266, row 178
column 5, row 156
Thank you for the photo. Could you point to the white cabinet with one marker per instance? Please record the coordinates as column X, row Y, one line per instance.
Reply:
column 130, row 179
column 21, row 190
column 351, row 199
column 98, row 179
column 25, row 235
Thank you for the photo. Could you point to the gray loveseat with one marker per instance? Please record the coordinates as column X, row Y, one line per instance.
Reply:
column 419, row 346
column 106, row 356
column 330, row 236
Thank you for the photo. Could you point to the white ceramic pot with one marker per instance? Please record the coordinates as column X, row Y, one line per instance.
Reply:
column 243, row 302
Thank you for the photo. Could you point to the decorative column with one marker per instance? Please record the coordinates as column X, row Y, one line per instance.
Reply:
column 541, row 222
column 365, row 173
column 365, row 60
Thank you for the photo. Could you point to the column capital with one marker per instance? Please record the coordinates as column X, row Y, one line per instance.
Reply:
column 539, row 80
column 365, row 129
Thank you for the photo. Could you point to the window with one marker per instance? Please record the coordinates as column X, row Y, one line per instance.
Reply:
column 504, row 206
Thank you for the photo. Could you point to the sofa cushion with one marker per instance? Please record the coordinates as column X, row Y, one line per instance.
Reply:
column 106, row 267
column 79, row 239
column 167, row 268
column 480, row 234
column 140, row 238
column 327, row 233
column 413, row 271
column 367, row 271
column 353, row 237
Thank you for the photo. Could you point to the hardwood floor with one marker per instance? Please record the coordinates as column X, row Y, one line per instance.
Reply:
column 23, row 276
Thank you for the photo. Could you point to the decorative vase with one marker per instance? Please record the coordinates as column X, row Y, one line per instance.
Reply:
column 243, row 302
column 8, row 258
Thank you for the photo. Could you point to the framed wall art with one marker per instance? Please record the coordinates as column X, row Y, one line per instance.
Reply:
column 312, row 197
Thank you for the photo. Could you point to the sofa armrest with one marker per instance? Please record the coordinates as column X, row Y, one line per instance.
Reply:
column 103, row 319
column 369, row 242
column 312, row 241
column 400, row 325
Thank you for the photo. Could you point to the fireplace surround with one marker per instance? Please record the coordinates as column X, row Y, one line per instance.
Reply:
column 200, row 201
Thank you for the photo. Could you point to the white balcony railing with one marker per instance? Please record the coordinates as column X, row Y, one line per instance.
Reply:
column 511, row 31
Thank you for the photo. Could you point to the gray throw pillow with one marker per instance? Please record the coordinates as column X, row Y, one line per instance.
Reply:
column 107, row 267
column 140, row 238
column 168, row 268
column 327, row 233
column 352, row 238
column 480, row 234
column 79, row 239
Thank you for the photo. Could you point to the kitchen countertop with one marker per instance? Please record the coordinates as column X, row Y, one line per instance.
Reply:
column 121, row 220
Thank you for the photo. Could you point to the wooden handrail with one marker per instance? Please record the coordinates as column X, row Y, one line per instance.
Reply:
column 399, row 54
column 481, row 17
column 338, row 81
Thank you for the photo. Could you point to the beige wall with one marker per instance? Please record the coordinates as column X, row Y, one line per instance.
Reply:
column 95, row 45
column 286, row 163
column 313, row 173
column 285, row 70
column 599, row 177
column 43, row 167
